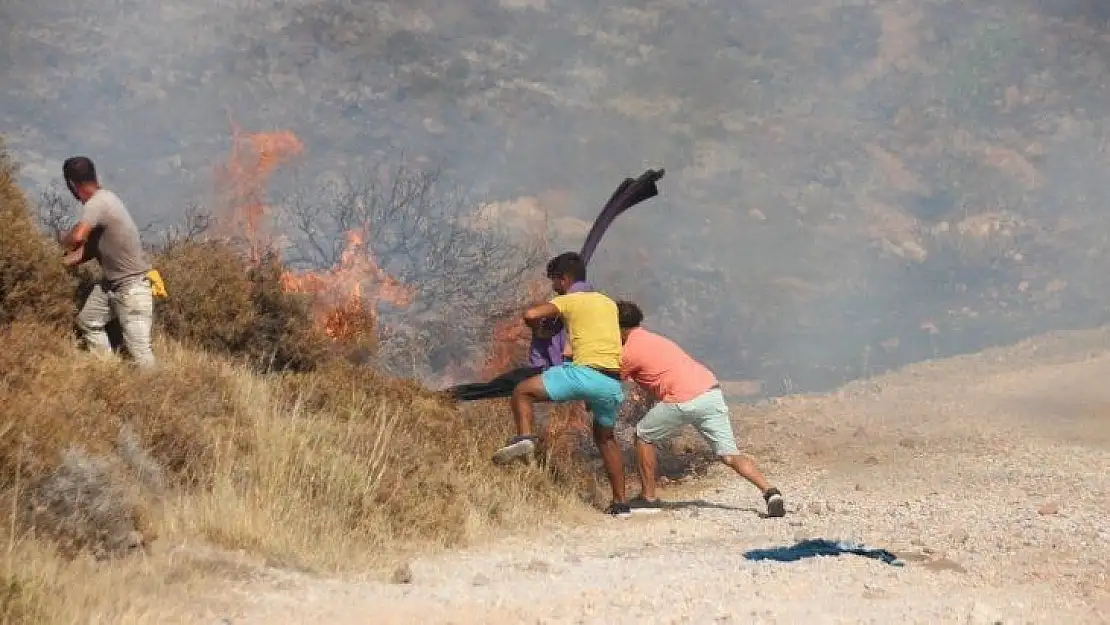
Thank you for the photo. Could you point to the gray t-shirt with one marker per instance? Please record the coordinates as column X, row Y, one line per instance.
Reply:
column 114, row 240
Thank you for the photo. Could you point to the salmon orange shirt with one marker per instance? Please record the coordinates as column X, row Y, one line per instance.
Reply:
column 663, row 368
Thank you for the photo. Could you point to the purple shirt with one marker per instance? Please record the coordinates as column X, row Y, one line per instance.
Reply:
column 546, row 353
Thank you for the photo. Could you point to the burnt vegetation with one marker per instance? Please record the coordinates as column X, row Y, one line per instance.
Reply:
column 464, row 271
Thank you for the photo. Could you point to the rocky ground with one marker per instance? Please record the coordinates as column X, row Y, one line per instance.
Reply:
column 989, row 475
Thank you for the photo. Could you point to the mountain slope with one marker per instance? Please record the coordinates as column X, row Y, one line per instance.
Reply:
column 841, row 174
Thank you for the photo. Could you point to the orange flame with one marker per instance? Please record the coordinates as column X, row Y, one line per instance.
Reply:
column 510, row 337
column 341, row 304
column 254, row 157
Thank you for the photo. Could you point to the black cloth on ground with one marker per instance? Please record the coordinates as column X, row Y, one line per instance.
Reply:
column 501, row 386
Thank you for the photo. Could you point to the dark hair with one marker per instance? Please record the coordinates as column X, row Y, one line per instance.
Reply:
column 629, row 315
column 79, row 170
column 567, row 264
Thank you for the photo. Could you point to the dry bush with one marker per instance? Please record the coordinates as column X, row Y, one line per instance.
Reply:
column 209, row 303
column 325, row 470
column 84, row 437
column 33, row 282
column 85, row 504
column 54, row 397
column 444, row 485
column 221, row 303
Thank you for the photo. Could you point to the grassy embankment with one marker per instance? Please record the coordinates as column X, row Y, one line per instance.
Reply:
column 118, row 488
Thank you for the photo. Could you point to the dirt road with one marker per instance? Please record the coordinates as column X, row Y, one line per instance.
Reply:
column 989, row 475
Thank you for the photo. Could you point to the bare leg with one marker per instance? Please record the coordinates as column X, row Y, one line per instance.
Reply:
column 523, row 445
column 715, row 426
column 524, row 395
column 611, row 458
column 745, row 467
column 645, row 463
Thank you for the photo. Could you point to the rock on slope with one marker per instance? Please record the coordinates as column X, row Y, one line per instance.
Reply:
column 987, row 473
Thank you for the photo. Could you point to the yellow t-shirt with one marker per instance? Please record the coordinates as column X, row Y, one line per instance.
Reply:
column 592, row 327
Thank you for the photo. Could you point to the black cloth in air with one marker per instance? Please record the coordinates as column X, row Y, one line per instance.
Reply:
column 629, row 193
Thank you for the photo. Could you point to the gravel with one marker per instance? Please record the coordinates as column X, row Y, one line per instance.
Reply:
column 999, row 514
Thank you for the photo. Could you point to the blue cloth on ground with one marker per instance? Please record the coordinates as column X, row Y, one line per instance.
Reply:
column 821, row 547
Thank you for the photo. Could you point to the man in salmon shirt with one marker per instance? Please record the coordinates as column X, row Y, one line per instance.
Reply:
column 687, row 394
column 593, row 377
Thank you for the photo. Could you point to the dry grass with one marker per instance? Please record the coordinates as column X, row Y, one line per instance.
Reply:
column 32, row 281
column 220, row 303
column 338, row 470
column 174, row 585
column 124, row 493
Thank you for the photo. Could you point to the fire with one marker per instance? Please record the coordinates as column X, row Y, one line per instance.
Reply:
column 342, row 304
column 254, row 157
column 344, row 296
column 510, row 337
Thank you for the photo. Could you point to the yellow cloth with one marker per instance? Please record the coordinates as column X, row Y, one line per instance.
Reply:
column 157, row 287
column 592, row 328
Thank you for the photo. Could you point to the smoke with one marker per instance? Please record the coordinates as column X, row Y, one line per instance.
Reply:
column 851, row 185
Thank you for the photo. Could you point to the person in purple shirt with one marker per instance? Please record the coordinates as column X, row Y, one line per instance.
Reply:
column 548, row 344
column 546, row 352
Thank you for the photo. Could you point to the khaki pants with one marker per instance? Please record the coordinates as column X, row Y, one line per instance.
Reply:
column 132, row 304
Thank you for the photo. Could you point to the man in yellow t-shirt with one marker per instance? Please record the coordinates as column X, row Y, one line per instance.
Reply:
column 593, row 376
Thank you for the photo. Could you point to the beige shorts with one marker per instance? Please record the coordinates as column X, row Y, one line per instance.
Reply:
column 707, row 413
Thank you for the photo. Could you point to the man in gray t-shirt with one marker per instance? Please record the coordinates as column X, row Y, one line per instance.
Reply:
column 107, row 233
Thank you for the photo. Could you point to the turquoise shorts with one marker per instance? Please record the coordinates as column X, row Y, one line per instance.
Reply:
column 707, row 413
column 570, row 382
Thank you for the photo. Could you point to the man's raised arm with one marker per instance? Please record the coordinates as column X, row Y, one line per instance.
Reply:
column 76, row 256
column 76, row 236
column 539, row 312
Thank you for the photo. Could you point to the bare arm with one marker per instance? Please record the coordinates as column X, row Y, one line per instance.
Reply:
column 75, row 256
column 539, row 312
column 79, row 234
column 76, row 236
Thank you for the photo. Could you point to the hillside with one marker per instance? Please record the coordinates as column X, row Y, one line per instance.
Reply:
column 852, row 184
column 260, row 439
